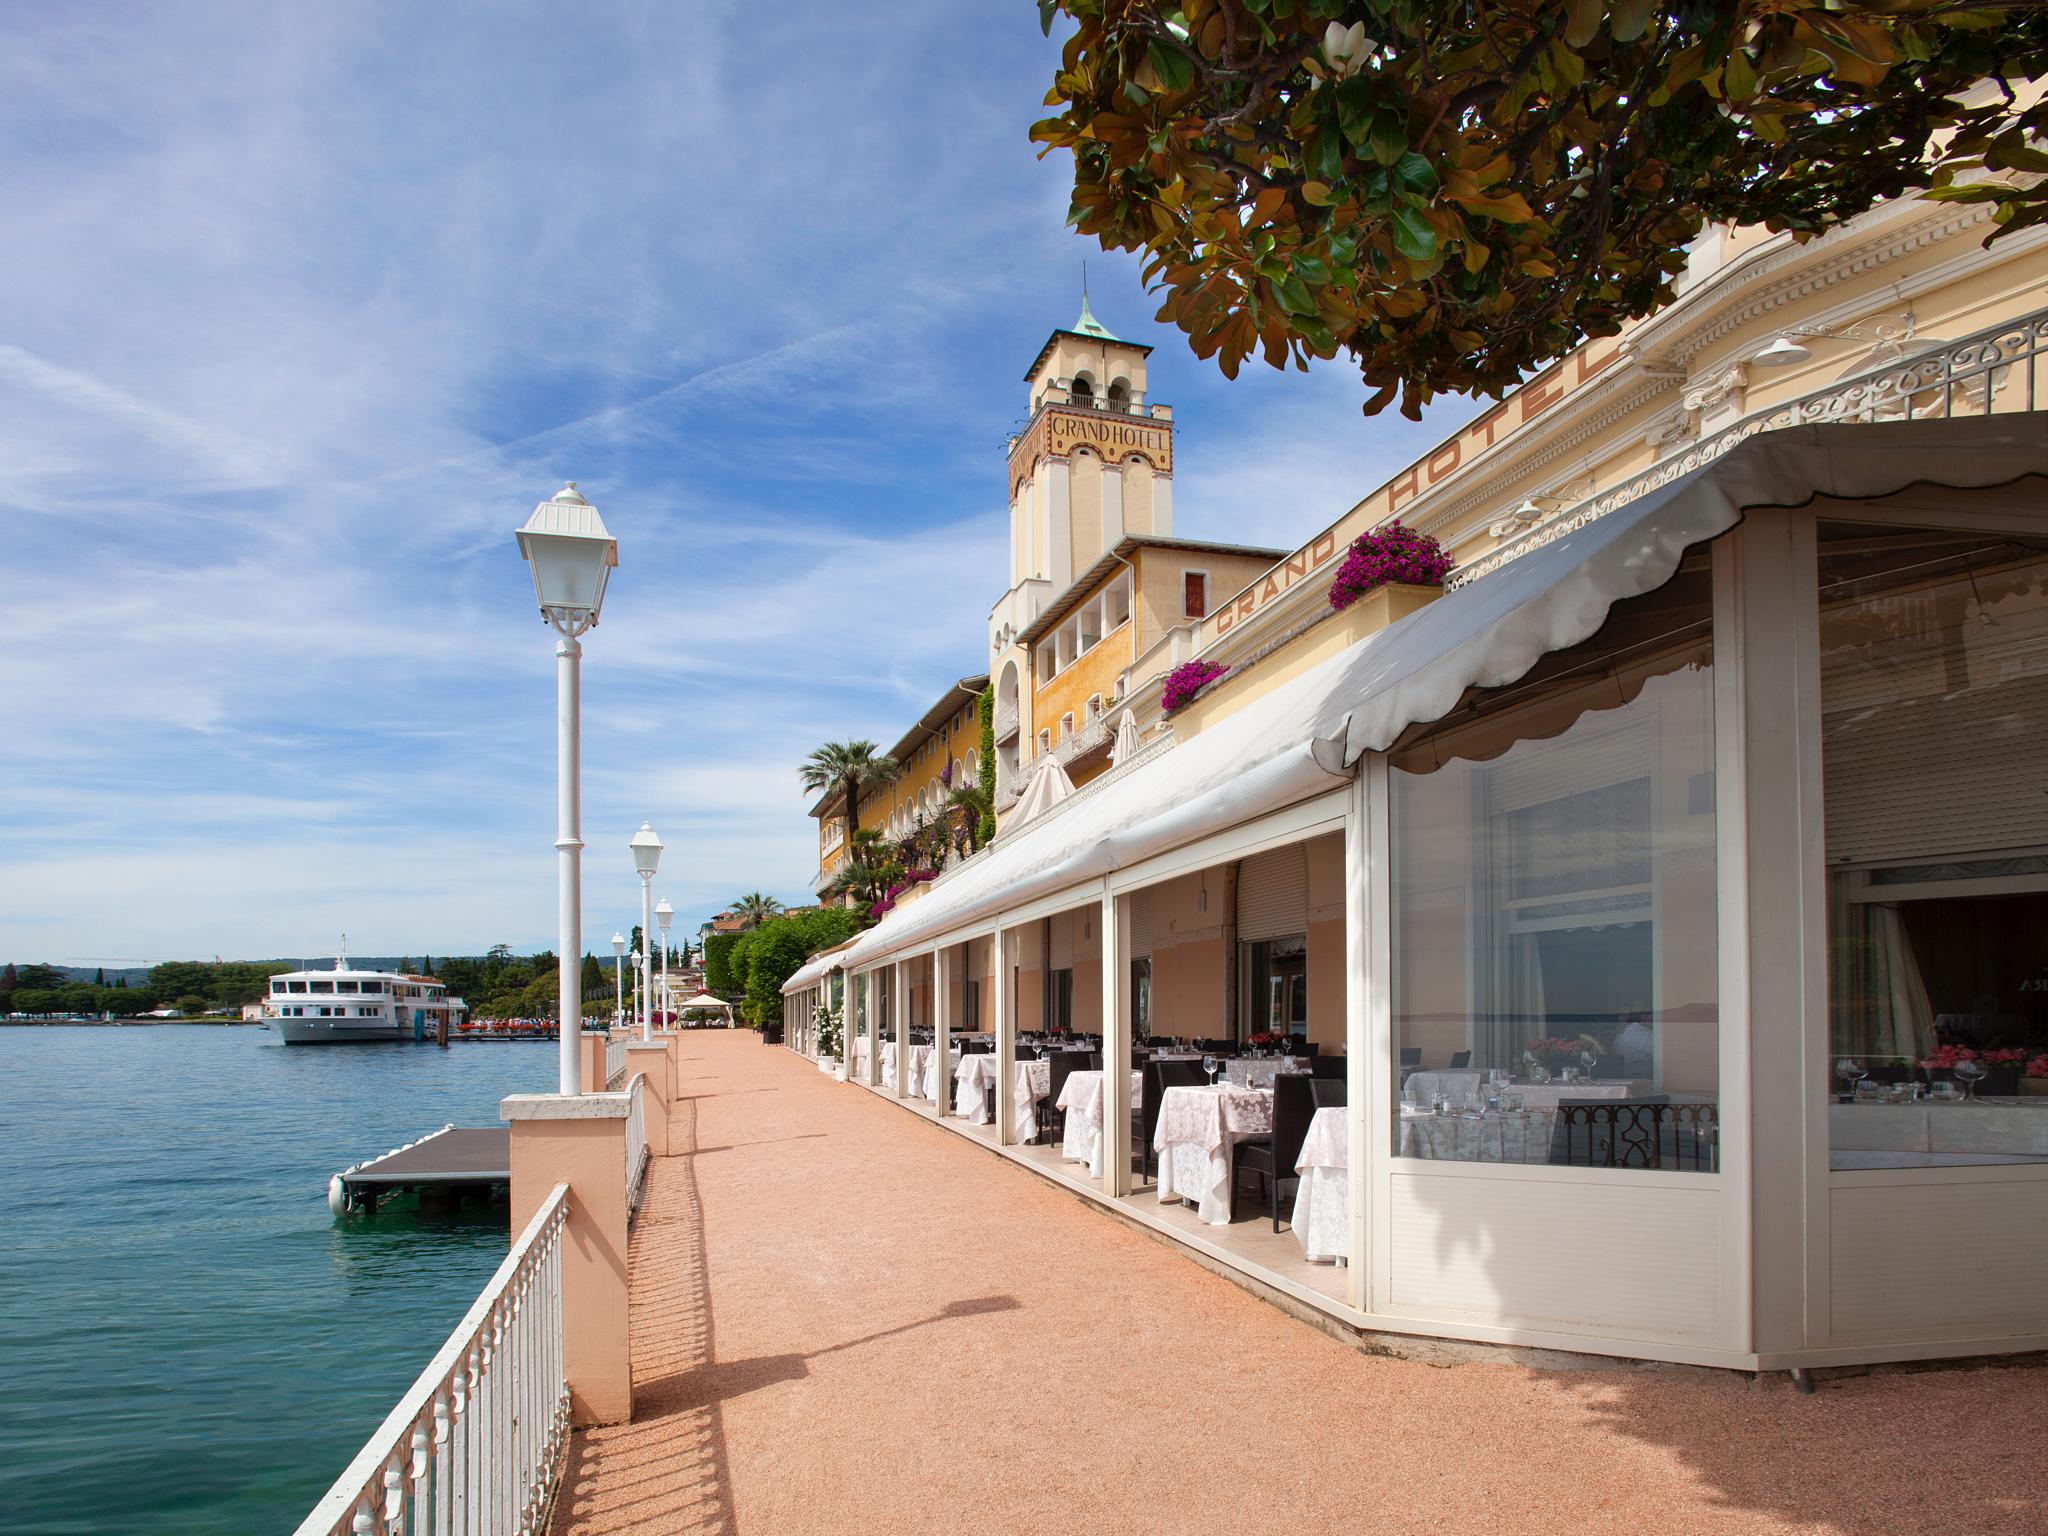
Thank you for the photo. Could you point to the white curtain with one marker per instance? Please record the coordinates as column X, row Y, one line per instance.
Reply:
column 1882, row 1012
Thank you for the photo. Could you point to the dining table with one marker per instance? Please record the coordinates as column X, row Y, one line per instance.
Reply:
column 1472, row 1136
column 1081, row 1097
column 976, row 1074
column 1322, row 1199
column 1198, row 1127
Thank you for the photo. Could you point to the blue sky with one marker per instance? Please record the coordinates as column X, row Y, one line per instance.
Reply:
column 308, row 305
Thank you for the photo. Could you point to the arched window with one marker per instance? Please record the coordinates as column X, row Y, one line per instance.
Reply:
column 1083, row 388
column 1120, row 394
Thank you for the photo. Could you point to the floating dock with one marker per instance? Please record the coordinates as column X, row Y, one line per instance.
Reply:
column 441, row 1166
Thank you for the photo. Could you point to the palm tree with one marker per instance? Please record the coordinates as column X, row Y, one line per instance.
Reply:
column 968, row 804
column 755, row 908
column 851, row 767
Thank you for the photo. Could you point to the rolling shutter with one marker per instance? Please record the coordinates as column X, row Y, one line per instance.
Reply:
column 1141, row 924
column 1063, row 941
column 1272, row 894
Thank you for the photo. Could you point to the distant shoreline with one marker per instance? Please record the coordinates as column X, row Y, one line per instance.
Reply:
column 124, row 1023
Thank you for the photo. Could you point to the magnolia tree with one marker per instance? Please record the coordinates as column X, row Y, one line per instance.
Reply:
column 1454, row 194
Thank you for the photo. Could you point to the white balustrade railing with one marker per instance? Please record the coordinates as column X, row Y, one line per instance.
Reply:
column 636, row 1141
column 476, row 1448
column 615, row 1058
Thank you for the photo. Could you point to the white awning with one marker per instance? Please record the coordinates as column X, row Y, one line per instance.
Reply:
column 703, row 1000
column 1305, row 735
column 815, row 969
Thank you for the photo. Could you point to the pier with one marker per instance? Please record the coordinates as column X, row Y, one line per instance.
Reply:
column 442, row 1166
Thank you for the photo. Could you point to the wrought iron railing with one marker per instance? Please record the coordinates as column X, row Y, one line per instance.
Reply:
column 476, row 1447
column 1092, row 735
column 1996, row 369
column 1006, row 723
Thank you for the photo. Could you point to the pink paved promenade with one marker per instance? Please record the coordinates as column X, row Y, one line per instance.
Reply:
column 847, row 1320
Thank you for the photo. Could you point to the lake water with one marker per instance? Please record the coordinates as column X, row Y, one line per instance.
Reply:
column 189, row 1341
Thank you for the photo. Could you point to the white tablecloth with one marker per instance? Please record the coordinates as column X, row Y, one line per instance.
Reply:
column 972, row 1077
column 1259, row 1071
column 1518, row 1136
column 1197, row 1129
column 1081, row 1098
column 1032, row 1083
column 1322, row 1202
column 2014, row 1126
column 927, row 1084
column 1459, row 1084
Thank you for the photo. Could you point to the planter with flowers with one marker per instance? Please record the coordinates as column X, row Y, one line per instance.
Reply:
column 1556, row 1052
column 2035, row 1078
column 2002, row 1067
column 1187, row 680
column 1392, row 570
column 1268, row 1043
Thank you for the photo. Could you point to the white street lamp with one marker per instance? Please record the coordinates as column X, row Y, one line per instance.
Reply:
column 664, row 914
column 646, row 858
column 572, row 556
column 618, row 980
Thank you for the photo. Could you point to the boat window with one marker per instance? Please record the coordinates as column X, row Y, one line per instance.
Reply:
column 344, row 986
column 295, row 986
column 323, row 986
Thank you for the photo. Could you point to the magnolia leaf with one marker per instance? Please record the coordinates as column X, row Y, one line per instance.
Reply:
column 1582, row 21
column 1317, row 194
column 1414, row 235
column 1627, row 19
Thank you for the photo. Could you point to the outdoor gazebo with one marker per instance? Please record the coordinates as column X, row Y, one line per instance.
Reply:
column 704, row 1002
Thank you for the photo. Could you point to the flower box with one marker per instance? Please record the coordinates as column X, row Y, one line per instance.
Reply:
column 2034, row 1085
column 1388, row 603
column 1391, row 555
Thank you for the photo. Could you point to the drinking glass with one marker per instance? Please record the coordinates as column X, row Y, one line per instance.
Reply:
column 1851, row 1072
column 1210, row 1065
column 1588, row 1058
column 1970, row 1074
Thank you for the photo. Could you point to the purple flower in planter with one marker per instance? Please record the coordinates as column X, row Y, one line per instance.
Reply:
column 1394, row 552
column 946, row 774
column 1187, row 680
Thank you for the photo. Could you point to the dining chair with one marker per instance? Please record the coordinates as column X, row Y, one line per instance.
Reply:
column 1329, row 1092
column 1460, row 1059
column 1329, row 1068
column 1411, row 1055
column 1273, row 1157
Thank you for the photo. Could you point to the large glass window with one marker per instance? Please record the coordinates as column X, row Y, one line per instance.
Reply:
column 1556, row 959
column 1934, row 732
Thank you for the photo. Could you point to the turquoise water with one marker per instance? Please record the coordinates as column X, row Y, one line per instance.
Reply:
column 189, row 1342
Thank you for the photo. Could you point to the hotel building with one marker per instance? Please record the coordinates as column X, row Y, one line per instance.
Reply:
column 1670, row 887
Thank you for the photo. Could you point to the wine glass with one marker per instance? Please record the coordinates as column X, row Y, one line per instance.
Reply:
column 1588, row 1059
column 1851, row 1072
column 1970, row 1073
column 1529, row 1065
column 1209, row 1065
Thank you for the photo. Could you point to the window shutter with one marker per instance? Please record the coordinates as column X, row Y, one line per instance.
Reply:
column 1141, row 924
column 1272, row 894
column 1944, row 773
column 1063, row 941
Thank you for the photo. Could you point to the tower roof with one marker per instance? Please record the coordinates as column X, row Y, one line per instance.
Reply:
column 1088, row 325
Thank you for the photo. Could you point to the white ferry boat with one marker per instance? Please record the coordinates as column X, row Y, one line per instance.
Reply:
column 346, row 1004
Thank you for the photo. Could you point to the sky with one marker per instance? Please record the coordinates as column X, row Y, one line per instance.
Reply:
column 305, row 307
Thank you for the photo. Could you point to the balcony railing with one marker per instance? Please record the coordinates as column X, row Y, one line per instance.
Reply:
column 636, row 1143
column 1089, row 738
column 1995, row 370
column 477, row 1446
column 1006, row 724
column 615, row 1058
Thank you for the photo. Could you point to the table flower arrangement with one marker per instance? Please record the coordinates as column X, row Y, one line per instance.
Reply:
column 1556, row 1051
column 1391, row 553
column 1267, row 1042
column 1187, row 680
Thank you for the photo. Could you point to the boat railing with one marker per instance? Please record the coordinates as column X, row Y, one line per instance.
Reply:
column 478, row 1444
column 615, row 1059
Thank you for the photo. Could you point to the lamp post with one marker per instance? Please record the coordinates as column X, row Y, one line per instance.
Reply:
column 572, row 556
column 618, row 979
column 646, row 859
column 664, row 914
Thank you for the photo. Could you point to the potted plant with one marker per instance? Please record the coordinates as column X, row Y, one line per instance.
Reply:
column 2035, row 1079
column 2002, row 1067
column 1409, row 566
column 1941, row 1066
column 1187, row 680
column 1266, row 1043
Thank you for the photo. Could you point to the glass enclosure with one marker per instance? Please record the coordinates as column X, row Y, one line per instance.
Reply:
column 1934, row 736
column 1556, row 953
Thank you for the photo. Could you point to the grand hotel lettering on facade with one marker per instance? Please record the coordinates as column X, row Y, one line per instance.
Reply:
column 1497, row 425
